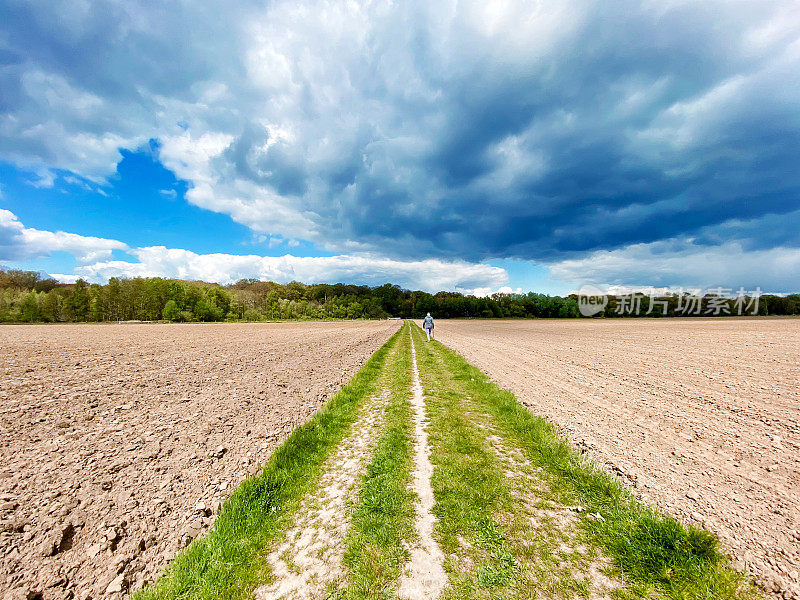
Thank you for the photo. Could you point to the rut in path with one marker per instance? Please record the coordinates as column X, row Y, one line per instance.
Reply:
column 309, row 562
column 425, row 577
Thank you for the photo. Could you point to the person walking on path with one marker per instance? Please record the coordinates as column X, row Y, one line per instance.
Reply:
column 427, row 324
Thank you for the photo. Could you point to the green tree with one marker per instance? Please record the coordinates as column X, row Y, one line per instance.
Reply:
column 29, row 308
column 208, row 311
column 96, row 303
column 115, row 300
column 171, row 311
column 354, row 310
column 77, row 303
column 219, row 298
column 273, row 311
column 50, row 307
column 251, row 314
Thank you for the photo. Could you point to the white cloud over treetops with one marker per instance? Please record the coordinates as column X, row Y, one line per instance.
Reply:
column 19, row 243
column 429, row 274
column 686, row 264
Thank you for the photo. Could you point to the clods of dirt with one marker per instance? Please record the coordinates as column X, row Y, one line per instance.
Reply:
column 699, row 416
column 119, row 442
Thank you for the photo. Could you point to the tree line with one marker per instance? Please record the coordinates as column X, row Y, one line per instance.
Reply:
column 27, row 297
column 701, row 305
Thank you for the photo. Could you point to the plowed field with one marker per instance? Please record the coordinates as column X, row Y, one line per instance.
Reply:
column 701, row 416
column 117, row 442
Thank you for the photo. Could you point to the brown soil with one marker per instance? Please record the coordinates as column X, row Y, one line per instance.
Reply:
column 700, row 416
column 117, row 442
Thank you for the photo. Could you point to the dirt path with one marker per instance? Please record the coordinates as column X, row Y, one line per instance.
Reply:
column 509, row 528
column 308, row 564
column 701, row 416
column 425, row 577
column 118, row 441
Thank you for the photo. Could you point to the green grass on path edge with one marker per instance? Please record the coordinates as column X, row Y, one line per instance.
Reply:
column 383, row 521
column 230, row 561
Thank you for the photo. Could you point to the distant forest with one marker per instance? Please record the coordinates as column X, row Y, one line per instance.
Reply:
column 27, row 297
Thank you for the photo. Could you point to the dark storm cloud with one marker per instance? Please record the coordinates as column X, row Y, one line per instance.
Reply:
column 543, row 131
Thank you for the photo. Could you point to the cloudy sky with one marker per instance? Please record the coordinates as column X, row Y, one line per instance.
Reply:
column 439, row 145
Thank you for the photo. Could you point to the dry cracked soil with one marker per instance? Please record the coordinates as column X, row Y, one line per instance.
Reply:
column 700, row 416
column 118, row 442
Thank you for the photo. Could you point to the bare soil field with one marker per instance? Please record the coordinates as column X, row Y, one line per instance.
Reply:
column 117, row 442
column 701, row 416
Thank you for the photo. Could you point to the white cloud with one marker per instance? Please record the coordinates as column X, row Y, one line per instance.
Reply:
column 65, row 277
column 432, row 275
column 216, row 186
column 18, row 242
column 485, row 292
column 622, row 290
column 682, row 263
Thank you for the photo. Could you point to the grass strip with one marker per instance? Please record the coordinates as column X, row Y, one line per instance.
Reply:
column 230, row 561
column 657, row 552
column 384, row 517
column 469, row 488
column 546, row 552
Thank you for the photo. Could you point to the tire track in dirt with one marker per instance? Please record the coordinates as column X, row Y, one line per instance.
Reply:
column 552, row 552
column 425, row 577
column 308, row 564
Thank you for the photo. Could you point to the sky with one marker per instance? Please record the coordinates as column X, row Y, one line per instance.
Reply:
column 470, row 146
